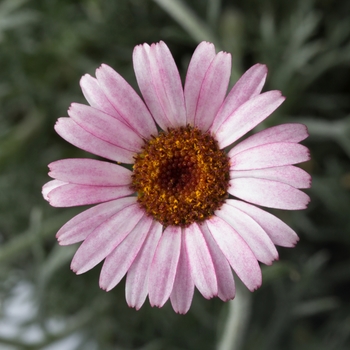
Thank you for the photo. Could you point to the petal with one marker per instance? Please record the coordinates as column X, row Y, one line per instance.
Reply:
column 226, row 283
column 90, row 172
column 201, row 264
column 252, row 233
column 79, row 227
column 70, row 195
column 105, row 127
column 248, row 86
column 247, row 116
column 96, row 97
column 280, row 233
column 199, row 64
column 164, row 266
column 182, row 293
column 136, row 287
column 160, row 84
column 270, row 155
column 213, row 90
column 268, row 193
column 236, row 251
column 288, row 174
column 281, row 133
column 126, row 101
column 51, row 185
column 105, row 238
column 69, row 130
column 118, row 262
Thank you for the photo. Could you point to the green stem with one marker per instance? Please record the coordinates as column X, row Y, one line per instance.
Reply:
column 28, row 238
column 188, row 20
column 237, row 320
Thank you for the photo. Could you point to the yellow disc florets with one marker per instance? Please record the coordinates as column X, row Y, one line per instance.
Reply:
column 181, row 176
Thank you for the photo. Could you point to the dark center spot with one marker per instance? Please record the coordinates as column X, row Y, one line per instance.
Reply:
column 181, row 176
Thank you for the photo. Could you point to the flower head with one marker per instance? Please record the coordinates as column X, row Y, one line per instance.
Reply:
column 186, row 214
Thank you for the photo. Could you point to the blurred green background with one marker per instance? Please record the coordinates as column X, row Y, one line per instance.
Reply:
column 46, row 46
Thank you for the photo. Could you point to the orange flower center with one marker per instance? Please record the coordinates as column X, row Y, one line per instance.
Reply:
column 181, row 176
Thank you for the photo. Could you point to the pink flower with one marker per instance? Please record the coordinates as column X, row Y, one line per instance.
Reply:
column 182, row 218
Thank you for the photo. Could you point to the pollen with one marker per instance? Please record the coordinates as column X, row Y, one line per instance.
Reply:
column 181, row 176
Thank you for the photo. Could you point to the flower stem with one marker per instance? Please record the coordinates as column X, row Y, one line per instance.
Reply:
column 188, row 19
column 37, row 232
column 237, row 320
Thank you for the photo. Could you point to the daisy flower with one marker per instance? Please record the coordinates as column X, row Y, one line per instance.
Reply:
column 187, row 213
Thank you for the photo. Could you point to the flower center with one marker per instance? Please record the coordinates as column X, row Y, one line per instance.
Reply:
column 181, row 176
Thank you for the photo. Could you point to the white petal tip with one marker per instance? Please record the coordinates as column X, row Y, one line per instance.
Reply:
column 45, row 194
column 262, row 67
column 140, row 47
column 58, row 122
column 158, row 305
column 273, row 258
column 84, row 78
column 181, row 312
column 226, row 299
column 76, row 269
column 255, row 287
column 309, row 183
column 106, row 288
column 206, row 43
column 102, row 68
column 292, row 244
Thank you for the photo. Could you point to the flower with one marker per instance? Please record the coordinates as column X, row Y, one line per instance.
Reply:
column 182, row 217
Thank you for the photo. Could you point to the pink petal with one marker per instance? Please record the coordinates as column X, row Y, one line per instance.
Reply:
column 164, row 266
column 90, row 172
column 105, row 127
column 270, row 155
column 126, row 101
column 268, row 193
column 226, row 283
column 248, row 86
column 105, row 238
column 51, row 185
column 236, row 251
column 118, row 262
column 199, row 64
column 136, row 287
column 69, row 130
column 182, row 293
column 247, row 116
column 252, row 233
column 201, row 264
column 70, row 195
column 281, row 133
column 280, row 233
column 288, row 174
column 213, row 90
column 96, row 97
column 142, row 68
column 78, row 228
column 160, row 84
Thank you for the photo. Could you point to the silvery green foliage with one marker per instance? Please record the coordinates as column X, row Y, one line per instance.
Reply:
column 46, row 46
